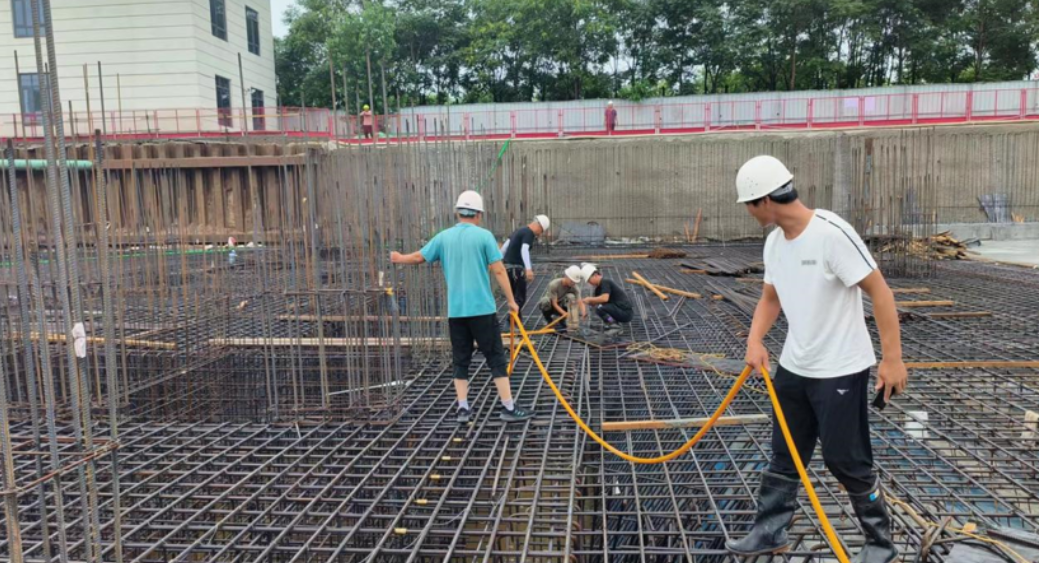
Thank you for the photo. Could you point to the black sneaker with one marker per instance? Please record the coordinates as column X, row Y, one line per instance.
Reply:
column 515, row 415
column 463, row 416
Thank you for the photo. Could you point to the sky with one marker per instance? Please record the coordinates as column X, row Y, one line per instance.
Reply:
column 278, row 8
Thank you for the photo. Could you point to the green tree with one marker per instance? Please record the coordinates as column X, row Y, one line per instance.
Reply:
column 445, row 51
column 1001, row 35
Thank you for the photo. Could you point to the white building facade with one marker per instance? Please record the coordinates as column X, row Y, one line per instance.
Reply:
column 165, row 65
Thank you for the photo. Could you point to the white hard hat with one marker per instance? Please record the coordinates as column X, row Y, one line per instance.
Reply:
column 759, row 177
column 587, row 270
column 470, row 200
column 574, row 273
column 543, row 221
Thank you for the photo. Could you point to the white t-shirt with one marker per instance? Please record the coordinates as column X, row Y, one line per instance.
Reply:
column 816, row 277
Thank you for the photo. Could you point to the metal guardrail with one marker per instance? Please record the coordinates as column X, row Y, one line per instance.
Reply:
column 765, row 113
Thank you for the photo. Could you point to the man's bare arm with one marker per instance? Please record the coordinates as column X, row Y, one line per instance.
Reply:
column 891, row 374
column 497, row 270
column 412, row 259
column 599, row 300
column 765, row 315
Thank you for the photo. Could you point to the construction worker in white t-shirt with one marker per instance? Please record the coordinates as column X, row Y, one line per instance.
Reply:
column 816, row 268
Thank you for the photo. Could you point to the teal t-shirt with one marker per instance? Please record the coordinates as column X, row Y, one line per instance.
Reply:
column 465, row 251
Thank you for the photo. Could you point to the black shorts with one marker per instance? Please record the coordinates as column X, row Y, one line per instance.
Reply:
column 485, row 330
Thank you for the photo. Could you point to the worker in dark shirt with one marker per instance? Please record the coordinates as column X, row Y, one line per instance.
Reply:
column 608, row 300
column 516, row 251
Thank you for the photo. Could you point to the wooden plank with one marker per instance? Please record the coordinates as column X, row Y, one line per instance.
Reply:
column 204, row 162
column 346, row 318
column 898, row 290
column 924, row 303
column 649, row 286
column 312, row 342
column 974, row 364
column 611, row 257
column 128, row 342
column 696, row 227
column 333, row 342
column 692, row 271
column 666, row 289
column 751, row 280
column 683, row 423
column 966, row 314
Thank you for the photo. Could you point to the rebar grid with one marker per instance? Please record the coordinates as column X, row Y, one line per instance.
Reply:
column 419, row 487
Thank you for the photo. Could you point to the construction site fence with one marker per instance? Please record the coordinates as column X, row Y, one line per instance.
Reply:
column 488, row 121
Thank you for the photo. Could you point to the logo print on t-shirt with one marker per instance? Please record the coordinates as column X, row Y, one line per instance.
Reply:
column 808, row 262
column 842, row 391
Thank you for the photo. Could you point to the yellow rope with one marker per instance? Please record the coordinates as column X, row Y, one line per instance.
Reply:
column 831, row 535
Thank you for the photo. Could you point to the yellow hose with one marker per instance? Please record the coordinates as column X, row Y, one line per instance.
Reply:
column 831, row 535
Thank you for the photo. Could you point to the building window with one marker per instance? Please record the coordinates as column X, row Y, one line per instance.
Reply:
column 31, row 90
column 223, row 101
column 252, row 28
column 218, row 15
column 258, row 112
column 21, row 10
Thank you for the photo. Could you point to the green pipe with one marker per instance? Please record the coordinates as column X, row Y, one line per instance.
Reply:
column 41, row 164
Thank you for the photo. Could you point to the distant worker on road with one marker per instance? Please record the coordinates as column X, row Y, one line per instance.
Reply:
column 816, row 268
column 611, row 118
column 366, row 122
column 563, row 298
column 608, row 300
column 517, row 256
column 468, row 255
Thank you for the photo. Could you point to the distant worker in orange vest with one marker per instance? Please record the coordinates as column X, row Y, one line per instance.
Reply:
column 611, row 118
column 366, row 122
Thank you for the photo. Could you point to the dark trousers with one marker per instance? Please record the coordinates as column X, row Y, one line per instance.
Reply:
column 485, row 331
column 833, row 411
column 619, row 315
column 518, row 283
column 550, row 314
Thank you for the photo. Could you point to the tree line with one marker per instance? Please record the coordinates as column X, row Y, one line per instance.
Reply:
column 407, row 52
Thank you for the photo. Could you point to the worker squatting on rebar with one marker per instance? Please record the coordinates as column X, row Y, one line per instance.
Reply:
column 608, row 300
column 563, row 298
column 467, row 254
column 816, row 267
column 516, row 251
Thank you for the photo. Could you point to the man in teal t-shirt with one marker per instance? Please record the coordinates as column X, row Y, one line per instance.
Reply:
column 468, row 255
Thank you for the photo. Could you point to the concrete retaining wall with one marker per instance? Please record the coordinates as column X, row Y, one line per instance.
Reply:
column 881, row 180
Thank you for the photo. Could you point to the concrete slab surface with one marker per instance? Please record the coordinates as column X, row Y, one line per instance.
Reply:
column 1024, row 252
